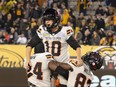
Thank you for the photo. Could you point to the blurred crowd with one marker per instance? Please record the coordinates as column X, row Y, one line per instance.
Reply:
column 19, row 20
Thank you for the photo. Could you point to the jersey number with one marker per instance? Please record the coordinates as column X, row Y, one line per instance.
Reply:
column 37, row 70
column 55, row 48
column 81, row 79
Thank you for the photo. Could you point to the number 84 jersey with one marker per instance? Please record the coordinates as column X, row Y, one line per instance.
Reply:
column 56, row 43
column 39, row 73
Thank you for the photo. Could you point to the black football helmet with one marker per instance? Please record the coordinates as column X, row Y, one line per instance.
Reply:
column 93, row 59
column 51, row 14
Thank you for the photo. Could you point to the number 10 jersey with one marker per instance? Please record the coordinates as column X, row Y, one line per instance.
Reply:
column 56, row 43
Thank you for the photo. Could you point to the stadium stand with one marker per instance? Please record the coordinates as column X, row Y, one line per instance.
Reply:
column 91, row 19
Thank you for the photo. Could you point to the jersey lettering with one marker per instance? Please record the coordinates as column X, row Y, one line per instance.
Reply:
column 69, row 31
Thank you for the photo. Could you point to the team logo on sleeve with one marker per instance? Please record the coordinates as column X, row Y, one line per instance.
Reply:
column 69, row 31
column 39, row 30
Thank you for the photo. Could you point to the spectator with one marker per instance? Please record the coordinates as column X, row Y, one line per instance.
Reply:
column 33, row 27
column 21, row 39
column 17, row 25
column 4, row 17
column 101, row 33
column 82, row 4
column 112, row 4
column 19, row 11
column 49, row 3
column 113, row 42
column 107, row 11
column 1, row 3
column 95, row 38
column 114, row 21
column 107, row 40
column 83, row 28
column 108, row 21
column 63, row 7
column 65, row 17
column 44, row 7
column 99, row 10
column 8, row 23
column 36, row 12
column 72, row 19
column 80, row 18
column 55, row 6
column 24, row 26
column 100, row 23
column 64, row 1
column 78, row 37
column 90, row 17
column 27, row 11
column 6, row 37
column 87, row 38
column 13, row 36
column 92, row 26
column 1, row 22
column 1, row 37
column 110, row 24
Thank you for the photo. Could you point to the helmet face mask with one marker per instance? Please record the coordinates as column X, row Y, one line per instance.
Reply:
column 94, row 60
column 51, row 14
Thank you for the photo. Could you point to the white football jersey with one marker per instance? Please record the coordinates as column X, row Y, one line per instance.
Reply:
column 56, row 43
column 80, row 76
column 40, row 73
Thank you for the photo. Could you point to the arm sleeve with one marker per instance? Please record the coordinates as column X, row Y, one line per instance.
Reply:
column 73, row 43
column 34, row 41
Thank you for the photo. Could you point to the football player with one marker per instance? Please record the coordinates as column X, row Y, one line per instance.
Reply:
column 83, row 76
column 55, row 39
column 39, row 72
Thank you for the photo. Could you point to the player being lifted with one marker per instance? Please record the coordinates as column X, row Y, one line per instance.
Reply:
column 39, row 72
column 83, row 76
column 55, row 38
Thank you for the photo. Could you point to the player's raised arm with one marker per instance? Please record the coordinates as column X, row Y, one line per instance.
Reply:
column 79, row 60
column 74, row 44
column 32, row 43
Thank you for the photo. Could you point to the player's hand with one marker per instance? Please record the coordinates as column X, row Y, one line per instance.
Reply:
column 27, row 65
column 79, row 62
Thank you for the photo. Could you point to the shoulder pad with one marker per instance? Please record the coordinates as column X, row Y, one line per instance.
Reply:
column 40, row 29
column 68, row 29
